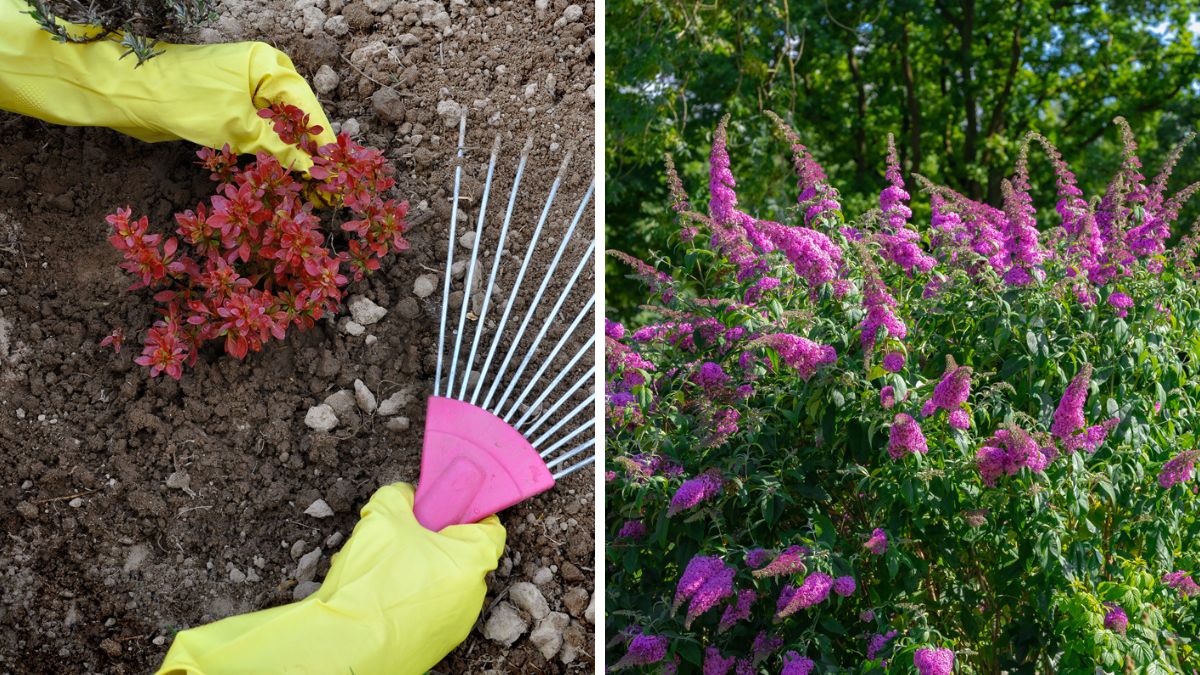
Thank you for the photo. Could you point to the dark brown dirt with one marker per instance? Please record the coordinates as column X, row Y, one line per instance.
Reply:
column 101, row 584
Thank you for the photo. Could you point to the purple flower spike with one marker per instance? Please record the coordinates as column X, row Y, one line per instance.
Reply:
column 844, row 586
column 906, row 437
column 1179, row 469
column 934, row 661
column 794, row 664
column 1115, row 619
column 715, row 664
column 878, row 542
column 813, row 591
column 694, row 491
column 739, row 610
column 643, row 651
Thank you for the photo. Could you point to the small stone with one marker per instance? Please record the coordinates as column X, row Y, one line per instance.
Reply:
column 306, row 569
column 548, row 636
column 326, row 80
column 576, row 600
column 352, row 328
column 571, row 573
column 459, row 268
column 531, row 90
column 159, row 640
column 352, row 127
column 237, row 576
column 365, row 311
column 333, row 540
column 135, row 557
column 318, row 509
column 527, row 596
column 342, row 402
column 409, row 308
column 180, row 480
column 252, row 576
column 505, row 625
column 570, row 15
column 320, row 418
column 394, row 403
column 338, row 26
column 305, row 589
column 364, row 397
column 299, row 547
column 388, row 104
column 379, row 6
column 543, row 576
column 27, row 510
column 398, row 424
column 590, row 613
column 424, row 286
column 75, row 503
column 409, row 40
column 450, row 112
column 111, row 647
column 370, row 340
column 467, row 240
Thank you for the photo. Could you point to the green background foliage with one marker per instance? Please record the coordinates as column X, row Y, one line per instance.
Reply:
column 958, row 83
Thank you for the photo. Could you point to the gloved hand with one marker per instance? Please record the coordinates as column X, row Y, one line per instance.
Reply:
column 207, row 94
column 396, row 600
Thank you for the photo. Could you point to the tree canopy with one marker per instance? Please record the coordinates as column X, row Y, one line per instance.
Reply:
column 958, row 83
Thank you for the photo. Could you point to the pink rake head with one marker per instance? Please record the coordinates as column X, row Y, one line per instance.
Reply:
column 477, row 459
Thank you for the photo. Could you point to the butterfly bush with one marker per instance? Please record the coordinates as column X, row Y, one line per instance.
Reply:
column 937, row 436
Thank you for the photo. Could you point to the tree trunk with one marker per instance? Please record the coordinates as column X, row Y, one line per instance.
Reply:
column 860, row 118
column 914, row 104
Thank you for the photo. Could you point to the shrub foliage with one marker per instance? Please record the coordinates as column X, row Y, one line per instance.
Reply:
column 877, row 444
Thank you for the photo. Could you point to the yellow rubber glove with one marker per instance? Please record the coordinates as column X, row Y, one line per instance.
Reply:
column 397, row 599
column 207, row 94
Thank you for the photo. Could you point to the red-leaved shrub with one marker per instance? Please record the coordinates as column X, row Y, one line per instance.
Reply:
column 256, row 260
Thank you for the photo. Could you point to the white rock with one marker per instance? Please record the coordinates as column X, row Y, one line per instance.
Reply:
column 298, row 548
column 334, row 539
column 320, row 418
column 305, row 589
column 449, row 111
column 326, row 80
column 342, row 402
column 352, row 328
column 394, row 403
column 543, row 576
column 548, row 636
column 136, row 556
column 530, row 89
column 398, row 424
column 75, row 503
column 527, row 596
column 318, row 509
column 570, row 15
column 590, row 613
column 352, row 127
column 336, row 25
column 313, row 21
column 370, row 340
column 424, row 286
column 237, row 576
column 379, row 6
column 366, row 400
column 365, row 311
column 306, row 569
column 467, row 240
column 505, row 625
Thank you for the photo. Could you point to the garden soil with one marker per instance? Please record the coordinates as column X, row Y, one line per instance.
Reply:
column 134, row 507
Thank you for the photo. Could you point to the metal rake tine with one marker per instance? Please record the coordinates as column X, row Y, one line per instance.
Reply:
column 513, row 379
column 559, row 460
column 462, row 134
column 573, row 468
column 512, row 296
column 583, row 379
column 537, row 298
column 563, row 441
column 558, row 425
column 548, row 360
column 585, row 350
column 462, row 314
column 487, row 297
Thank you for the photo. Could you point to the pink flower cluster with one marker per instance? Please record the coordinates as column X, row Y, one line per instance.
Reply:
column 1009, row 451
column 950, row 394
column 695, row 490
column 706, row 581
column 1070, row 424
